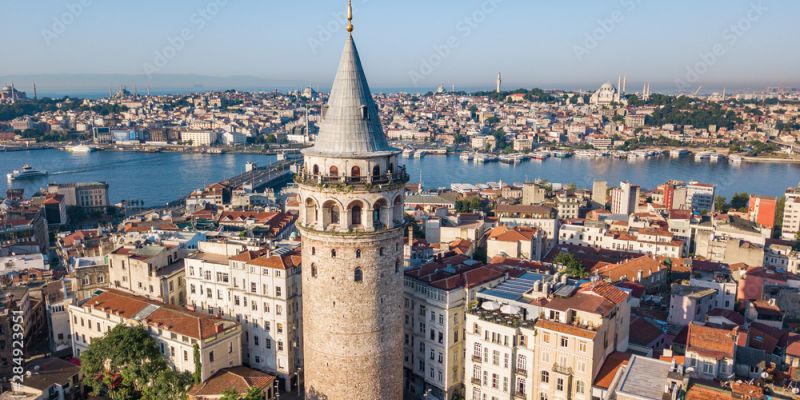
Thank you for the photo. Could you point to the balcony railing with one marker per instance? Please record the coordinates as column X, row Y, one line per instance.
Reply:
column 521, row 372
column 476, row 358
column 562, row 369
column 519, row 395
column 476, row 381
column 399, row 176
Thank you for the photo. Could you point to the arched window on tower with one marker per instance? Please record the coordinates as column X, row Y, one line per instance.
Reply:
column 355, row 214
column 376, row 170
column 313, row 251
column 355, row 172
column 316, row 169
column 313, row 270
column 333, row 253
column 358, row 275
column 333, row 171
column 358, row 253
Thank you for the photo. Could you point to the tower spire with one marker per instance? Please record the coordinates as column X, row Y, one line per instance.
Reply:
column 350, row 17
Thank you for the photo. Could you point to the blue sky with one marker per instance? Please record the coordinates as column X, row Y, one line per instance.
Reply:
column 412, row 43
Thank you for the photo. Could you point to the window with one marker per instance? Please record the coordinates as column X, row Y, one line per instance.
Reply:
column 333, row 171
column 564, row 341
column 521, row 362
column 358, row 253
column 333, row 253
column 546, row 337
column 211, row 356
column 313, row 270
column 355, row 215
column 476, row 350
column 494, row 381
column 579, row 387
column 560, row 384
column 582, row 346
column 545, row 377
column 358, row 275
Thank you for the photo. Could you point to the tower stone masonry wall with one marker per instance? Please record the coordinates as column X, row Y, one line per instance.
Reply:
column 353, row 330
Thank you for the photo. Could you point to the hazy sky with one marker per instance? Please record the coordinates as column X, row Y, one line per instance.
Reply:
column 413, row 43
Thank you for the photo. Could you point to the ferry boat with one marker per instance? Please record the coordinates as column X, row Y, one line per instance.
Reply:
column 562, row 154
column 466, row 156
column 702, row 156
column 408, row 153
column 716, row 157
column 485, row 158
column 512, row 159
column 735, row 159
column 80, row 148
column 26, row 172
column 540, row 156
column 678, row 153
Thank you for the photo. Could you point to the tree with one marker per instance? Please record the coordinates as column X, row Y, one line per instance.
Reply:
column 253, row 393
column 720, row 204
column 739, row 201
column 125, row 363
column 572, row 266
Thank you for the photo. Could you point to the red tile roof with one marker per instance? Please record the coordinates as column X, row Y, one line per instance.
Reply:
column 240, row 379
column 709, row 341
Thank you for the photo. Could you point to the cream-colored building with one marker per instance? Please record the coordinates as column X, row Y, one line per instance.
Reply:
column 791, row 214
column 259, row 289
column 525, row 342
column 176, row 330
column 152, row 271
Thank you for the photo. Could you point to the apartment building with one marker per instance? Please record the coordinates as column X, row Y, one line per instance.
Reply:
column 152, row 271
column 790, row 229
column 517, row 242
column 541, row 337
column 700, row 196
column 624, row 198
column 82, row 194
column 436, row 298
column 260, row 289
column 175, row 329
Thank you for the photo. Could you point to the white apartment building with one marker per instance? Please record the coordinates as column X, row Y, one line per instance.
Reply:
column 200, row 138
column 791, row 214
column 435, row 303
column 260, row 289
column 700, row 196
column 625, row 198
column 175, row 329
column 644, row 241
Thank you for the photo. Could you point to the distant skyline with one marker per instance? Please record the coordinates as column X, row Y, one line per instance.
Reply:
column 83, row 46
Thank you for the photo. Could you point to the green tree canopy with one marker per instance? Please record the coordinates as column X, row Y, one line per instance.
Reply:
column 572, row 266
column 126, row 364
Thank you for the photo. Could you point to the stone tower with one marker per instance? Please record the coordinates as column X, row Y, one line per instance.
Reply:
column 351, row 223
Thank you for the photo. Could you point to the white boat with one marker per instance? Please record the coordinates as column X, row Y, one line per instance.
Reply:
column 466, row 156
column 702, row 156
column 716, row 157
column 678, row 153
column 735, row 159
column 26, row 172
column 408, row 153
column 80, row 148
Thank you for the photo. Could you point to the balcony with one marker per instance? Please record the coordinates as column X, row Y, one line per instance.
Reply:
column 562, row 369
column 476, row 381
column 519, row 395
column 521, row 372
column 400, row 176
column 477, row 358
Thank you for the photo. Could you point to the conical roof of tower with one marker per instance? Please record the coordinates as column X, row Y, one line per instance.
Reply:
column 350, row 124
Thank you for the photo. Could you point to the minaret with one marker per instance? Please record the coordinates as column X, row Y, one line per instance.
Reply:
column 499, row 82
column 13, row 94
column 624, row 85
column 352, row 225
column 35, row 96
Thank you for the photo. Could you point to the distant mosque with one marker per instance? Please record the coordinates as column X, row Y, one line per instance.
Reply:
column 608, row 94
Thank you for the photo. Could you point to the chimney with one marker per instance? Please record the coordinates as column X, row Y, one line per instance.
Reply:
column 410, row 236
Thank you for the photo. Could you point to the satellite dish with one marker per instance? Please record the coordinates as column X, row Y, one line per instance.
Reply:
column 689, row 370
column 764, row 375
